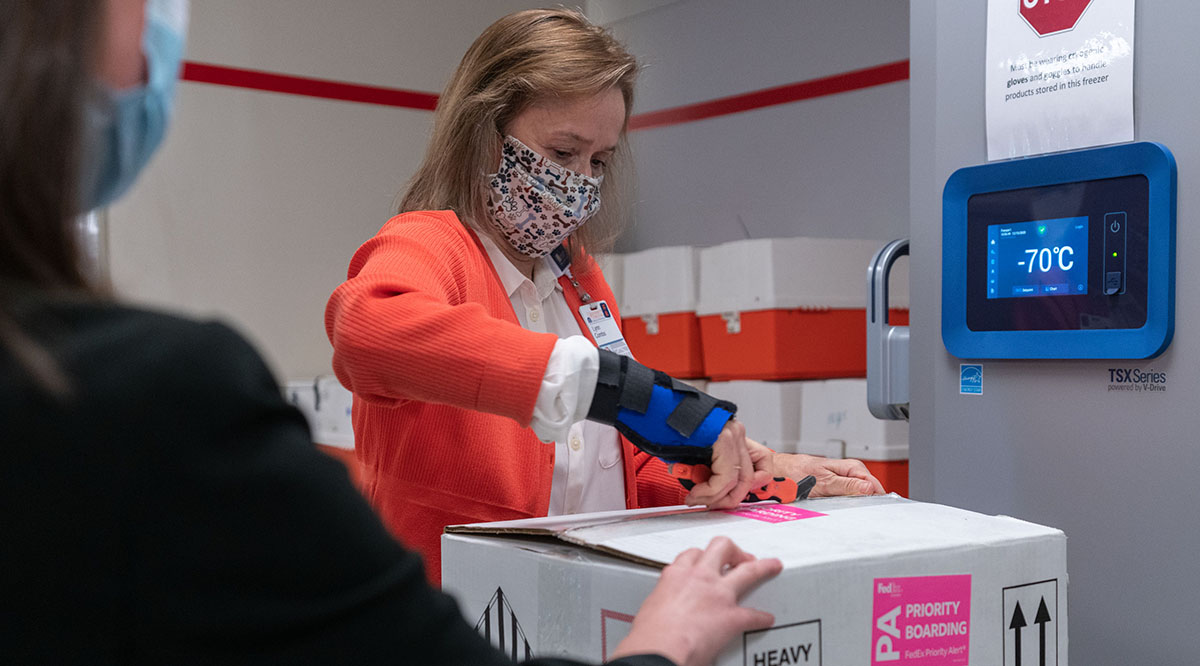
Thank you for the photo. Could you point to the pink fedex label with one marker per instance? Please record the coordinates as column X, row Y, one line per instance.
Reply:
column 777, row 513
column 921, row 621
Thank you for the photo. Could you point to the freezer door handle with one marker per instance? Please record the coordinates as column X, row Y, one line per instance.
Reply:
column 887, row 346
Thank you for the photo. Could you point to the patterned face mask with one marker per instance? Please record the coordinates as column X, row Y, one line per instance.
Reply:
column 537, row 203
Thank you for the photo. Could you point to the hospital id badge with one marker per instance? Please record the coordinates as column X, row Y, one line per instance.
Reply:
column 603, row 327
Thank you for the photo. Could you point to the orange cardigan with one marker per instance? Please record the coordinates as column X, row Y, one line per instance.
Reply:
column 445, row 380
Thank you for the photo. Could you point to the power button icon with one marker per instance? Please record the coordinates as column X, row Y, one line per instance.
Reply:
column 1115, row 222
column 1114, row 253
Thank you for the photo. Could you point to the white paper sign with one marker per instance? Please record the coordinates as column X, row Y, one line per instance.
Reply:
column 1059, row 75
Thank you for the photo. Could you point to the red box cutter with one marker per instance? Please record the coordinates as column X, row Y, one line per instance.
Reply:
column 781, row 488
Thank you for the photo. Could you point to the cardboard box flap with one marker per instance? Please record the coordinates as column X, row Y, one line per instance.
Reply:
column 557, row 525
column 806, row 533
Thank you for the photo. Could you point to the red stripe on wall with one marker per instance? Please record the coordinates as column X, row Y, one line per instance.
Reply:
column 794, row 92
column 197, row 72
column 410, row 99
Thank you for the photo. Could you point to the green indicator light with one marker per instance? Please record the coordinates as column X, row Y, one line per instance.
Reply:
column 1114, row 254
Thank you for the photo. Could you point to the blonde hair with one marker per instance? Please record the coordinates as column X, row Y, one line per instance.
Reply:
column 520, row 59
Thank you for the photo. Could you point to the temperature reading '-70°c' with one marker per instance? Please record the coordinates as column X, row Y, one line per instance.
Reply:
column 1046, row 257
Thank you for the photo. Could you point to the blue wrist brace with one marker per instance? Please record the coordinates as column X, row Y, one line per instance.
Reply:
column 659, row 414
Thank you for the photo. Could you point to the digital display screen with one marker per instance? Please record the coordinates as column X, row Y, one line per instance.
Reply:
column 1042, row 258
column 1038, row 258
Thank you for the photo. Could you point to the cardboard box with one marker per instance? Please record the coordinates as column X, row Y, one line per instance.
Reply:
column 302, row 394
column 659, row 310
column 789, row 308
column 874, row 581
column 335, row 425
column 837, row 417
column 326, row 406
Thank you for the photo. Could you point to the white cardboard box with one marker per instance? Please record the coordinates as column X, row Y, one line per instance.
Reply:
column 327, row 407
column 335, row 426
column 791, row 273
column 836, row 416
column 302, row 394
column 662, row 280
column 875, row 581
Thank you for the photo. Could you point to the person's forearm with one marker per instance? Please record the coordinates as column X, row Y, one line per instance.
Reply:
column 658, row 414
column 567, row 388
column 408, row 347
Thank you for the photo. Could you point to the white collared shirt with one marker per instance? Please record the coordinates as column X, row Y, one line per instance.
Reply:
column 588, row 474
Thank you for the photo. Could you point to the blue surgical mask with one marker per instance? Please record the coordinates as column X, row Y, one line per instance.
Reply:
column 124, row 128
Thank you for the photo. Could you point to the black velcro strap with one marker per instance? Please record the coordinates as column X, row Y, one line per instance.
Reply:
column 610, row 368
column 670, row 382
column 691, row 412
column 687, row 389
column 638, row 384
column 689, row 455
column 606, row 400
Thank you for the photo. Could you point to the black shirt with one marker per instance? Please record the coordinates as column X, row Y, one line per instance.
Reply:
column 172, row 509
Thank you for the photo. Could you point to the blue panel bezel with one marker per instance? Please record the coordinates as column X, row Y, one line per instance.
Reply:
column 1155, row 162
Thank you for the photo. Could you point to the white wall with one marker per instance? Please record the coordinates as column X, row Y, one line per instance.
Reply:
column 831, row 166
column 255, row 204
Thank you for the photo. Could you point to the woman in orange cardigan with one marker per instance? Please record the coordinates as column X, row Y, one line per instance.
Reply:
column 480, row 339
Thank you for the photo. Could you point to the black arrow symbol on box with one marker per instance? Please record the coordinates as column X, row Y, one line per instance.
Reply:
column 1043, row 616
column 1018, row 622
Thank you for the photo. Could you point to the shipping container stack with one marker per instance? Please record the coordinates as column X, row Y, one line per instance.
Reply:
column 777, row 326
column 658, row 315
column 327, row 407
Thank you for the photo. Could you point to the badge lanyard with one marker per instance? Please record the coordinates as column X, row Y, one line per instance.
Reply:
column 596, row 315
column 560, row 259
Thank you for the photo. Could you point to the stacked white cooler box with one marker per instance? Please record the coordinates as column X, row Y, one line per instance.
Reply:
column 659, row 309
column 326, row 406
column 755, row 301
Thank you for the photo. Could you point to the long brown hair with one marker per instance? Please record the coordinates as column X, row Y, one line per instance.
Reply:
column 46, row 51
column 518, row 60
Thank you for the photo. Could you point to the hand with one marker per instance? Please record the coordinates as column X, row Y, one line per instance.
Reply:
column 733, row 472
column 835, row 477
column 693, row 611
column 763, row 459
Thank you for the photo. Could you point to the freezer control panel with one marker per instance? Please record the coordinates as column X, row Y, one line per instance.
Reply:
column 1062, row 256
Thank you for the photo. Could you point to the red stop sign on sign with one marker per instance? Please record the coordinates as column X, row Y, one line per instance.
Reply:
column 1048, row 17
